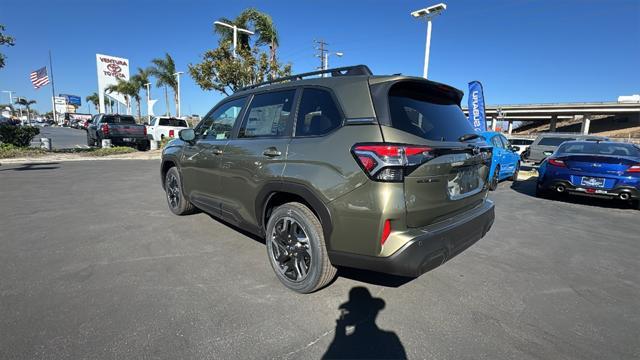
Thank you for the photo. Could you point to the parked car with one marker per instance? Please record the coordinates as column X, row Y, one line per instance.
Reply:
column 121, row 129
column 595, row 168
column 165, row 127
column 521, row 143
column 546, row 144
column 75, row 120
column 370, row 172
column 505, row 160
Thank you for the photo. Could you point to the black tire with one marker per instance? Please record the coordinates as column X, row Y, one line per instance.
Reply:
column 176, row 200
column 288, row 255
column 89, row 141
column 143, row 146
column 495, row 179
column 514, row 176
column 99, row 142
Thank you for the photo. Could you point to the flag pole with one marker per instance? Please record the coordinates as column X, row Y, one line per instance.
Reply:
column 53, row 91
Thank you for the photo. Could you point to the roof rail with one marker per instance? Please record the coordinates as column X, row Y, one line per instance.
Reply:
column 341, row 71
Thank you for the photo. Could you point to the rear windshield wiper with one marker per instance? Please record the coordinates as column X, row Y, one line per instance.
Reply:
column 467, row 137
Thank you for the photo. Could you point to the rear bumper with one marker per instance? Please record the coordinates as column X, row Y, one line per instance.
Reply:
column 565, row 186
column 430, row 247
column 133, row 140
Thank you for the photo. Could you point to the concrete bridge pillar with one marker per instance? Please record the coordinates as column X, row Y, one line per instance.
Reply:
column 494, row 123
column 510, row 127
column 552, row 123
column 586, row 122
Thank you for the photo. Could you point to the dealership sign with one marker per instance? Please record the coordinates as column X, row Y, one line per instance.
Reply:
column 72, row 99
column 110, row 69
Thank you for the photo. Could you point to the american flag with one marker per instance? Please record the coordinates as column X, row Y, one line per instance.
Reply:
column 39, row 78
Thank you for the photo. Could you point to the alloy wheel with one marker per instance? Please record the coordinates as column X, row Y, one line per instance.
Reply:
column 291, row 249
column 173, row 191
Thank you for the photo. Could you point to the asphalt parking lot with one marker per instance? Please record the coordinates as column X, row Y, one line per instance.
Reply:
column 62, row 137
column 93, row 265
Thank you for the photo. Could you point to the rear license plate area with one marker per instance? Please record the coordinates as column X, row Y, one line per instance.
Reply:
column 592, row 182
column 466, row 182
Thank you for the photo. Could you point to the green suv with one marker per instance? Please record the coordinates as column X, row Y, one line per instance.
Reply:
column 347, row 169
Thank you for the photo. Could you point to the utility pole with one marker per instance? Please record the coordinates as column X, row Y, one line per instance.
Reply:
column 322, row 49
column 177, row 75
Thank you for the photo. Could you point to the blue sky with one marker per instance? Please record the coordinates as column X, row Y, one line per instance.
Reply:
column 523, row 51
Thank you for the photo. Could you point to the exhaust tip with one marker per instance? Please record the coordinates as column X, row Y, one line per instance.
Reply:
column 624, row 196
column 560, row 188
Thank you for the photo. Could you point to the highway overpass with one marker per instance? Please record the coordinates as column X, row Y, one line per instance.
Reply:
column 557, row 111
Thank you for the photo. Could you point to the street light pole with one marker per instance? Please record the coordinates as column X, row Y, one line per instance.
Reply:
column 425, row 71
column 429, row 13
column 177, row 75
column 235, row 34
column 326, row 58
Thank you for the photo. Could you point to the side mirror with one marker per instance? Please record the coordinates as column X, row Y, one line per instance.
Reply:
column 187, row 135
column 515, row 148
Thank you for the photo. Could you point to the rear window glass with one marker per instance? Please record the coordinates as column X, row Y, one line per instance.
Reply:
column 553, row 141
column 173, row 122
column 521, row 142
column 121, row 119
column 425, row 114
column 599, row 149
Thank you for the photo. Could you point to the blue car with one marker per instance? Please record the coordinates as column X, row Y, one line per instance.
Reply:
column 505, row 162
column 593, row 168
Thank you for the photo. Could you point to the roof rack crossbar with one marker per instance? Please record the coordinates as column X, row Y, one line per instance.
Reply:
column 341, row 71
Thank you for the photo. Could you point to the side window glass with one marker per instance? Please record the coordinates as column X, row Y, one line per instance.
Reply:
column 505, row 142
column 318, row 113
column 268, row 115
column 496, row 142
column 218, row 124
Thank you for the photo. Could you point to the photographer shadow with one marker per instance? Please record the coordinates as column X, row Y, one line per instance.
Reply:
column 357, row 336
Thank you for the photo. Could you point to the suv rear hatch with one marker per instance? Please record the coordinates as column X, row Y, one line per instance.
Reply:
column 449, row 175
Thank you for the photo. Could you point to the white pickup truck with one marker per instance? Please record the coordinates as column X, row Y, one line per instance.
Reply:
column 165, row 127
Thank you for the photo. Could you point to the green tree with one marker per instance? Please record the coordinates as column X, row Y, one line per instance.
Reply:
column 95, row 100
column 27, row 104
column 262, row 25
column 163, row 69
column 5, row 40
column 220, row 71
column 140, row 79
column 129, row 89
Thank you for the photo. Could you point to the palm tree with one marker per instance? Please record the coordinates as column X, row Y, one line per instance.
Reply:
column 163, row 70
column 262, row 25
column 27, row 104
column 127, row 88
column 141, row 79
column 95, row 100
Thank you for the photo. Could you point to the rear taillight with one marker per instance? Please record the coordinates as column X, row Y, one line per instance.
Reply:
column 556, row 162
column 171, row 133
column 389, row 163
column 105, row 129
column 634, row 169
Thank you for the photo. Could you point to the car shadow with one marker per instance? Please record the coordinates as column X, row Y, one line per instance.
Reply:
column 372, row 277
column 357, row 336
column 34, row 166
column 528, row 187
column 236, row 228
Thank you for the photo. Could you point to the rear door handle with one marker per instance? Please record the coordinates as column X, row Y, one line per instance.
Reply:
column 271, row 152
